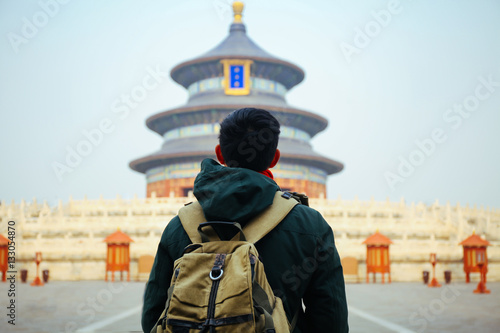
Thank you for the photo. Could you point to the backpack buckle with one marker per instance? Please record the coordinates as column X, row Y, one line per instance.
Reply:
column 219, row 271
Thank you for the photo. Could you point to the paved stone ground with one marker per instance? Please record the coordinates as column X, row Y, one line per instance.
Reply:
column 98, row 306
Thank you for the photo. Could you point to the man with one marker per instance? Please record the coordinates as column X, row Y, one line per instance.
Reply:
column 299, row 255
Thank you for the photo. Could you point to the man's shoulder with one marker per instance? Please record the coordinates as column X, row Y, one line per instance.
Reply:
column 173, row 233
column 305, row 220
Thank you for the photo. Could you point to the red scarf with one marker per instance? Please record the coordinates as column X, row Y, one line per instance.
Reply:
column 267, row 173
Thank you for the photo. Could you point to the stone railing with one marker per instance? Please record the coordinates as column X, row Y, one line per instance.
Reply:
column 73, row 232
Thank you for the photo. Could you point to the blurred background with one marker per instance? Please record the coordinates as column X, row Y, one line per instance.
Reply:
column 384, row 90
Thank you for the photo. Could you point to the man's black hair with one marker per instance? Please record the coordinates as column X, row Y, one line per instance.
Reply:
column 249, row 138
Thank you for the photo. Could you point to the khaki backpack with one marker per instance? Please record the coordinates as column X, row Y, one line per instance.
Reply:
column 221, row 286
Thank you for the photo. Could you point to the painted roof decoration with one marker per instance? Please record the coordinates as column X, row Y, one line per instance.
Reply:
column 474, row 240
column 377, row 239
column 118, row 237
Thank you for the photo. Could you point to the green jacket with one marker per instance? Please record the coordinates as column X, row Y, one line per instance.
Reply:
column 299, row 255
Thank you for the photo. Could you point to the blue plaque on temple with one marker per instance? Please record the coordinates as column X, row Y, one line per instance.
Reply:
column 236, row 75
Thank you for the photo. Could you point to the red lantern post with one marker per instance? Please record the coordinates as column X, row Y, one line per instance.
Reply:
column 38, row 259
column 481, row 286
column 377, row 256
column 118, row 258
column 474, row 246
column 434, row 281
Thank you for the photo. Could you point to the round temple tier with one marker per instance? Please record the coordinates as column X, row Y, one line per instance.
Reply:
column 235, row 74
column 177, row 178
column 166, row 121
column 196, row 149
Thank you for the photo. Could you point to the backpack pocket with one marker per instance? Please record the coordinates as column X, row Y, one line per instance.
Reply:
column 211, row 290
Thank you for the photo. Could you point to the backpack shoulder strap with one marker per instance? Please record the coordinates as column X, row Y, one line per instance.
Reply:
column 266, row 221
column 191, row 216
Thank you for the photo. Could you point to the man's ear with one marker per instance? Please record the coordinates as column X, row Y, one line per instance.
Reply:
column 218, row 152
column 276, row 158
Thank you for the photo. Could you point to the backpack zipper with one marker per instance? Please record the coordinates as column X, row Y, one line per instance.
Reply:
column 211, row 301
column 218, row 271
column 208, row 325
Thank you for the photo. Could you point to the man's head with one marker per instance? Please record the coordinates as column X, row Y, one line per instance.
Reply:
column 249, row 139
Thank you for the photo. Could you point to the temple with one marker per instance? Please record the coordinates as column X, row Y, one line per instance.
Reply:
column 237, row 73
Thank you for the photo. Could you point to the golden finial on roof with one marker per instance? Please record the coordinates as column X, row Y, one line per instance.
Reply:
column 238, row 10
column 474, row 231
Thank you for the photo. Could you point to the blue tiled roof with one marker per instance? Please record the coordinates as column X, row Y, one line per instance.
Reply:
column 238, row 44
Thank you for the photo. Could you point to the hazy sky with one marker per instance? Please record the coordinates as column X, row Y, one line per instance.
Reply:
column 411, row 90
